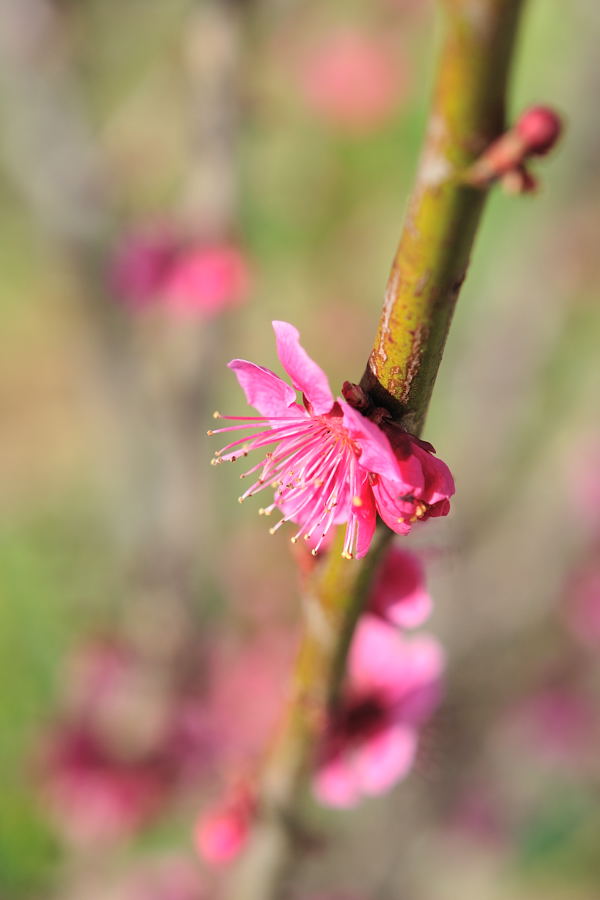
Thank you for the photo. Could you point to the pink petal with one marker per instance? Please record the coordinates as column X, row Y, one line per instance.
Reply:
column 439, row 483
column 404, row 673
column 422, row 684
column 386, row 494
column 366, row 517
column 266, row 391
column 306, row 375
column 377, row 656
column 399, row 594
column 335, row 783
column 385, row 758
column 376, row 451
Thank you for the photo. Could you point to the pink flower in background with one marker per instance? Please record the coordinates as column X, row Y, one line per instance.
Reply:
column 399, row 594
column 353, row 81
column 128, row 739
column 141, row 263
column 153, row 267
column 94, row 798
column 331, row 465
column 393, row 686
column 206, row 280
column 582, row 604
column 222, row 832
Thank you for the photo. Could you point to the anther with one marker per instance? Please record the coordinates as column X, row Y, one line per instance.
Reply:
column 216, row 414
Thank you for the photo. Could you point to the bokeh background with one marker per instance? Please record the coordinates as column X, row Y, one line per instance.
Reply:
column 174, row 175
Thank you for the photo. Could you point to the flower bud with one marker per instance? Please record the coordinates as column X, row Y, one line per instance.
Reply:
column 539, row 127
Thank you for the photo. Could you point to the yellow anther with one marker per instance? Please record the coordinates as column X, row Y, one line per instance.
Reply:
column 356, row 501
column 216, row 414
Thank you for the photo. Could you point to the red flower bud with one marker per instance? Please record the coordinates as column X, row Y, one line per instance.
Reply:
column 539, row 127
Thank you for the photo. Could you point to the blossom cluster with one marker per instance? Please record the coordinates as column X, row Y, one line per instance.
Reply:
column 392, row 687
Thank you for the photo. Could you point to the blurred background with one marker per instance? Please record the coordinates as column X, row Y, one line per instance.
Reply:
column 174, row 175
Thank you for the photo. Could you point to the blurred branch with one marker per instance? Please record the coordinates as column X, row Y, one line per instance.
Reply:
column 429, row 268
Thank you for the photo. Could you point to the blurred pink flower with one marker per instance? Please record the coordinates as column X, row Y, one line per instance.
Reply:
column 399, row 594
column 393, row 686
column 154, row 267
column 141, row 263
column 127, row 740
column 332, row 464
column 92, row 797
column 353, row 81
column 206, row 280
column 222, row 832
column 582, row 604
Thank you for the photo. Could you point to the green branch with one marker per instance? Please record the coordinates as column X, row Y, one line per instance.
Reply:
column 443, row 215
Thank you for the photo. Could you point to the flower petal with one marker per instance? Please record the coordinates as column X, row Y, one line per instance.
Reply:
column 366, row 516
column 386, row 499
column 399, row 593
column 306, row 375
column 335, row 782
column 266, row 391
column 376, row 451
column 385, row 758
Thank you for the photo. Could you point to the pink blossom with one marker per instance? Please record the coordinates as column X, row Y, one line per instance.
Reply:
column 331, row 465
column 353, row 81
column 393, row 687
column 126, row 741
column 582, row 605
column 141, row 263
column 91, row 796
column 399, row 594
column 222, row 832
column 206, row 280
